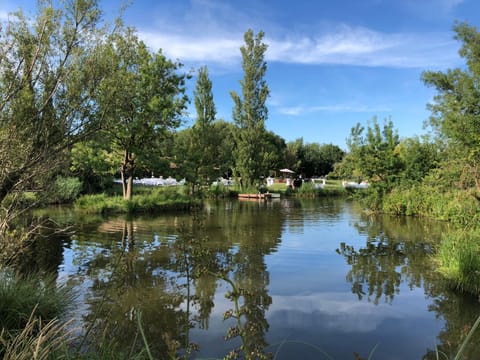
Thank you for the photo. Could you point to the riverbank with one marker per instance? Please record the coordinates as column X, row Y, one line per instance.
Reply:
column 457, row 255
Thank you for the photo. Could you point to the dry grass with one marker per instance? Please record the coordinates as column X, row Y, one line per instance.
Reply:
column 36, row 341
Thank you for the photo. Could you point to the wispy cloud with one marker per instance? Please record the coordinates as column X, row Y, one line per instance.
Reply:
column 364, row 47
column 337, row 108
column 344, row 45
column 195, row 49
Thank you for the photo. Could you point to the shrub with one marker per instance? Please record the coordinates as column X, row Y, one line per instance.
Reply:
column 65, row 189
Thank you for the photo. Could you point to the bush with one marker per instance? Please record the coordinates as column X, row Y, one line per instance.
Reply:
column 65, row 190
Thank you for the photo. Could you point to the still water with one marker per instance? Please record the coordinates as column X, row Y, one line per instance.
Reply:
column 315, row 279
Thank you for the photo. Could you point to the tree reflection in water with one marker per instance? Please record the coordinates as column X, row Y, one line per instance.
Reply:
column 172, row 284
column 397, row 250
column 162, row 268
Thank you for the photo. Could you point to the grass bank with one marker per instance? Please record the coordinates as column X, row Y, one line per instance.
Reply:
column 458, row 252
column 458, row 260
column 145, row 200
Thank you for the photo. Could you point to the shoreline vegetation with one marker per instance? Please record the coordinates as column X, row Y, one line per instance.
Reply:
column 152, row 199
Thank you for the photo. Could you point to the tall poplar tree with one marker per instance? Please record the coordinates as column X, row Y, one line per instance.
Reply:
column 250, row 111
column 203, row 135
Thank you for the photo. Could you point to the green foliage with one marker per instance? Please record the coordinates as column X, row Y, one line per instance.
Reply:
column 142, row 97
column 221, row 191
column 197, row 148
column 94, row 164
column 274, row 153
column 455, row 106
column 43, row 112
column 459, row 260
column 65, row 189
column 35, row 295
column 153, row 200
column 419, row 158
column 250, row 111
column 319, row 160
column 456, row 206
column 373, row 156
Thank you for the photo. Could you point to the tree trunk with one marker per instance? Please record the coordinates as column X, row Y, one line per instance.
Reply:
column 128, row 170
column 124, row 186
column 128, row 195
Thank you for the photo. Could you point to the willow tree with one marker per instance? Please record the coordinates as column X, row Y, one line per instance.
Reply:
column 49, row 70
column 455, row 107
column 142, row 98
column 250, row 111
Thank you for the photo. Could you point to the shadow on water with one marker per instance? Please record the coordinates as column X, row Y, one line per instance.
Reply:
column 181, row 271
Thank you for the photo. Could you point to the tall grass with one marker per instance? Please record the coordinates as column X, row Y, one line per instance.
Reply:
column 458, row 259
column 34, row 295
column 456, row 206
column 37, row 340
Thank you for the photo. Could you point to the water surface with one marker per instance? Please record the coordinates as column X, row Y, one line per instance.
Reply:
column 318, row 279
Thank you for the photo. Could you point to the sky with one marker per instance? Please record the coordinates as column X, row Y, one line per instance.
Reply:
column 330, row 63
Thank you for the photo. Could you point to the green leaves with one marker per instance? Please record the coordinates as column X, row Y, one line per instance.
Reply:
column 456, row 106
column 250, row 112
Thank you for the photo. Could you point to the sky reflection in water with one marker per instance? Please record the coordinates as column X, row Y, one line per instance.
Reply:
column 337, row 280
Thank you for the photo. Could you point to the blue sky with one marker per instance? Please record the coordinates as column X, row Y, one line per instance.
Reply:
column 331, row 63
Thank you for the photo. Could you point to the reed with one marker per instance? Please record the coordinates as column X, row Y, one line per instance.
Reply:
column 458, row 259
column 37, row 340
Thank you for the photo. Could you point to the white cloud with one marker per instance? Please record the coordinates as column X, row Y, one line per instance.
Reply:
column 345, row 46
column 364, row 47
column 302, row 110
column 202, row 49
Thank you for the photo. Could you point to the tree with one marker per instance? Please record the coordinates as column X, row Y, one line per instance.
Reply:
column 455, row 107
column 49, row 69
column 197, row 147
column 294, row 154
column 274, row 152
column 378, row 158
column 250, row 111
column 419, row 157
column 188, row 153
column 320, row 159
column 142, row 99
column 373, row 156
column 92, row 162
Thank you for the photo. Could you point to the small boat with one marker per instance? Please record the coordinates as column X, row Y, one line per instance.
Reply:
column 254, row 196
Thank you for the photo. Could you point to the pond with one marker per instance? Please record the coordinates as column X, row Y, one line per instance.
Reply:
column 314, row 279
